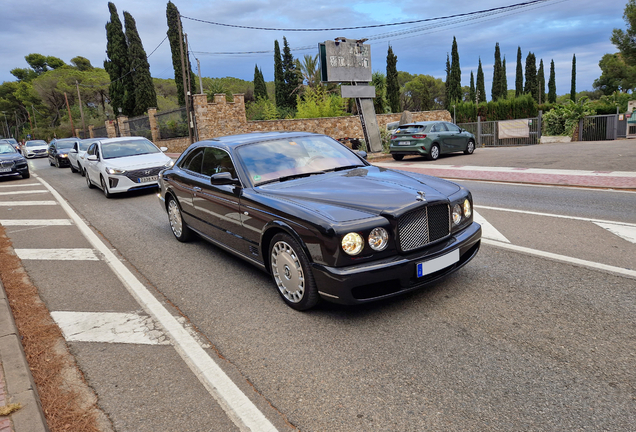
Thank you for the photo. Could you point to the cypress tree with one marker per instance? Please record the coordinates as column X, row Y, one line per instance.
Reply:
column 552, row 96
column 504, row 80
column 290, row 76
column 392, row 85
column 472, row 87
column 117, row 63
column 495, row 92
column 573, row 86
column 447, row 83
column 173, row 18
column 541, row 83
column 144, row 90
column 531, row 86
column 260, row 89
column 481, row 86
column 456, row 75
column 519, row 77
column 279, row 79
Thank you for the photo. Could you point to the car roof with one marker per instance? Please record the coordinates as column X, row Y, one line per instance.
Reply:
column 119, row 139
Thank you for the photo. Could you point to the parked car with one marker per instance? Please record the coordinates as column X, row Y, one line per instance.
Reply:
column 77, row 154
column 318, row 217
column 58, row 151
column 35, row 148
column 12, row 163
column 124, row 164
column 430, row 139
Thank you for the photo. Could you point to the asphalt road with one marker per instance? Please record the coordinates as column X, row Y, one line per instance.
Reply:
column 510, row 342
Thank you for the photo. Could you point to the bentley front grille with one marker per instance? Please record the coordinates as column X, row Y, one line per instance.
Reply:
column 425, row 225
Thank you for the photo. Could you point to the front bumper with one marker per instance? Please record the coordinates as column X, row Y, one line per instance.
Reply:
column 16, row 169
column 30, row 154
column 393, row 276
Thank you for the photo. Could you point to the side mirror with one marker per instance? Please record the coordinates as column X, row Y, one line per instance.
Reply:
column 362, row 154
column 72, row 151
column 163, row 149
column 224, row 178
column 92, row 158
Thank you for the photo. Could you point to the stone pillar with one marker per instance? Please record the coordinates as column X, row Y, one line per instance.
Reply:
column 154, row 128
column 124, row 129
column 111, row 131
column 91, row 134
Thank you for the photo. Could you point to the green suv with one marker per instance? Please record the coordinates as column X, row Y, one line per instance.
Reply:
column 430, row 139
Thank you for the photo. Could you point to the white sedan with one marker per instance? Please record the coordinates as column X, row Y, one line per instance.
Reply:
column 35, row 148
column 124, row 164
column 77, row 154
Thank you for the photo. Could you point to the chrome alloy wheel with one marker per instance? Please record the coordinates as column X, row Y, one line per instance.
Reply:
column 288, row 272
column 434, row 152
column 174, row 214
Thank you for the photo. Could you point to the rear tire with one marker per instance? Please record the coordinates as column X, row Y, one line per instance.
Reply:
column 398, row 157
column 179, row 228
column 434, row 153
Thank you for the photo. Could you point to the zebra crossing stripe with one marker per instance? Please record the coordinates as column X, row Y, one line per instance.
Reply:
column 26, row 203
column 75, row 254
column 35, row 222
column 24, row 192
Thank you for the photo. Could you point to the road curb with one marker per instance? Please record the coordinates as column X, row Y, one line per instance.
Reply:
column 19, row 384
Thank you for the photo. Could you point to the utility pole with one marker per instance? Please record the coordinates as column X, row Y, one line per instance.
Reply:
column 69, row 115
column 79, row 97
column 183, row 73
column 200, row 81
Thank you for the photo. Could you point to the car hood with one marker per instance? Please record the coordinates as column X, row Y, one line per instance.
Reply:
column 362, row 192
column 11, row 157
column 137, row 162
column 42, row 147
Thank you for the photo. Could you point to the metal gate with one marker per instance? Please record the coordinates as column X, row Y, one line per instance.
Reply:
column 487, row 133
column 599, row 128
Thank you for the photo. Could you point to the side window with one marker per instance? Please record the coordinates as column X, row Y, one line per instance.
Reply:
column 193, row 161
column 217, row 161
column 451, row 127
column 91, row 149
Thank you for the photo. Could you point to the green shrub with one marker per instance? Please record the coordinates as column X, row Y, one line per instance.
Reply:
column 562, row 119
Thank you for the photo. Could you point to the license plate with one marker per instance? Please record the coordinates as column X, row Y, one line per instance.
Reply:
column 437, row 264
column 148, row 179
column 5, row 170
column 404, row 142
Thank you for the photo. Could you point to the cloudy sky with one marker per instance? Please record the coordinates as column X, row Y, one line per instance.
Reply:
column 551, row 29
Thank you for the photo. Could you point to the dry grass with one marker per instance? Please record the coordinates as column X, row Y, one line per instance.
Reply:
column 64, row 403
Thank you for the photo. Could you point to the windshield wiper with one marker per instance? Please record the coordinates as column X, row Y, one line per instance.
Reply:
column 346, row 167
column 295, row 176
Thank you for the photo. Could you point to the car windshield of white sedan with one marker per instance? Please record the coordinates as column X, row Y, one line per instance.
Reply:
column 7, row 148
column 119, row 149
column 283, row 159
column 35, row 143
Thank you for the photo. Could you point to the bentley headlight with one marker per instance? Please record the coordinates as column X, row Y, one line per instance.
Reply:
column 114, row 171
column 352, row 243
column 468, row 210
column 378, row 239
column 457, row 214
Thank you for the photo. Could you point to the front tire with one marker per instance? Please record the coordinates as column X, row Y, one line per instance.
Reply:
column 179, row 228
column 434, row 153
column 470, row 147
column 26, row 174
column 73, row 170
column 292, row 274
column 105, row 188
column 88, row 181
column 397, row 157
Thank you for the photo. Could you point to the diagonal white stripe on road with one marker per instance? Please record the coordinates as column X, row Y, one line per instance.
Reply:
column 487, row 230
column 623, row 231
column 26, row 203
column 35, row 222
column 77, row 254
column 232, row 400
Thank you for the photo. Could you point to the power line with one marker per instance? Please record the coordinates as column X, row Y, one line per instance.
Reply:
column 523, row 4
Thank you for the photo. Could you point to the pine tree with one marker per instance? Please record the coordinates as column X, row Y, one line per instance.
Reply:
column 145, row 95
column 531, row 86
column 504, row 80
column 552, row 96
column 392, row 85
column 481, row 86
column 519, row 77
column 173, row 18
column 279, row 79
column 541, row 83
column 495, row 92
column 573, row 86
column 260, row 89
column 472, row 87
column 456, row 75
column 291, row 77
column 117, row 64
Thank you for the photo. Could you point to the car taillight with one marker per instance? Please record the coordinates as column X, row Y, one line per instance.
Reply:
column 393, row 136
column 419, row 136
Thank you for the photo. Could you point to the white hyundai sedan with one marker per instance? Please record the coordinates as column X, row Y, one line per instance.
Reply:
column 124, row 164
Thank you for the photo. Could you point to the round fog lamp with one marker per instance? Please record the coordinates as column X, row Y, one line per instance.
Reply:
column 457, row 214
column 352, row 243
column 378, row 239
column 467, row 209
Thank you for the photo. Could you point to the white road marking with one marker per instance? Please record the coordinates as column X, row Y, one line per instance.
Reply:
column 35, row 222
column 76, row 254
column 554, row 215
column 487, row 230
column 23, row 192
column 109, row 327
column 26, row 203
column 624, row 231
column 20, row 185
column 234, row 402
column 562, row 258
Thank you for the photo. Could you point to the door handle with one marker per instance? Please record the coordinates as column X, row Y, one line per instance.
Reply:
column 197, row 189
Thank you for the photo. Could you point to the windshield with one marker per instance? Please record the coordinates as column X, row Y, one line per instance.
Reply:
column 35, row 143
column 7, row 148
column 64, row 144
column 83, row 145
column 117, row 149
column 409, row 129
column 278, row 159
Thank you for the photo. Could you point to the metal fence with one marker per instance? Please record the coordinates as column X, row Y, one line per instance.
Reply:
column 487, row 133
column 100, row 132
column 601, row 128
column 140, row 126
column 173, row 124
